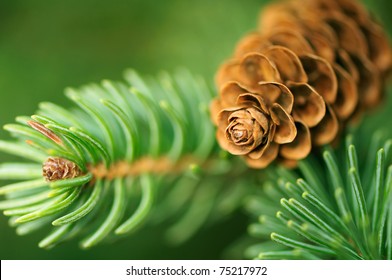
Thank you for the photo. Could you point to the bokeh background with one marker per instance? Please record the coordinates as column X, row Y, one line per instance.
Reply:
column 47, row 45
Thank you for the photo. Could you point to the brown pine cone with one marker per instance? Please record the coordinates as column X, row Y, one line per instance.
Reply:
column 314, row 66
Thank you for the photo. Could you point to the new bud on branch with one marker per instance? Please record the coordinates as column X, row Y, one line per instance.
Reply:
column 314, row 66
column 55, row 168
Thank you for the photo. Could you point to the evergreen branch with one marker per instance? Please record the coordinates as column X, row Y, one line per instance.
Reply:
column 332, row 213
column 147, row 142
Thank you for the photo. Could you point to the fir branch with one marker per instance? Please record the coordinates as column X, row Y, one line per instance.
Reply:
column 339, row 210
column 146, row 142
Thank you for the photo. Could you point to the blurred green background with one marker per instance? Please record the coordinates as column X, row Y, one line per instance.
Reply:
column 46, row 46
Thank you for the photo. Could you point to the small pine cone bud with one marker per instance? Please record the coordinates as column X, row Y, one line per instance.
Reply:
column 314, row 66
column 55, row 168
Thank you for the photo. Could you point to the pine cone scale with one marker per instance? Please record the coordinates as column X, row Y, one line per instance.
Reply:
column 285, row 127
column 300, row 147
column 320, row 76
column 309, row 106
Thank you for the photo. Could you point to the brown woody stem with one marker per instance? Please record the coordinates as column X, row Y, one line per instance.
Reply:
column 162, row 165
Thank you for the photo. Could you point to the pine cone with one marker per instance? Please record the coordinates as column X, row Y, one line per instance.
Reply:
column 314, row 66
